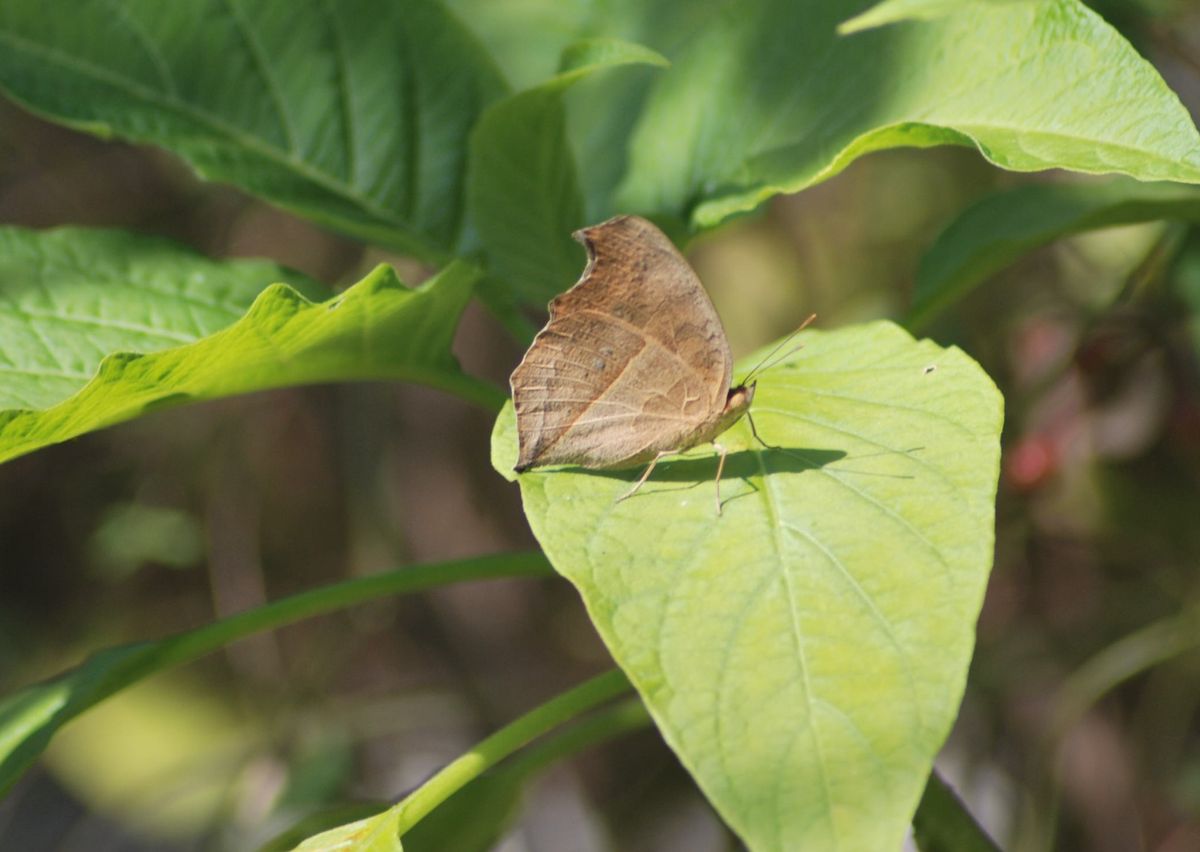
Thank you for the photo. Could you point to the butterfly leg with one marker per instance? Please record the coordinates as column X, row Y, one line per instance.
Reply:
column 645, row 476
column 758, row 438
column 721, row 453
column 754, row 432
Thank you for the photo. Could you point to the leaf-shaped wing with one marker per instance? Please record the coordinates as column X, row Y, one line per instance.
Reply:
column 633, row 361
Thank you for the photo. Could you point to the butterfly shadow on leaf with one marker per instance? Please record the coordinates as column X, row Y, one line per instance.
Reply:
column 697, row 468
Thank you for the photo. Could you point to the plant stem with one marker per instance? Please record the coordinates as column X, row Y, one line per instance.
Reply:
column 194, row 643
column 31, row 716
column 606, row 724
column 507, row 740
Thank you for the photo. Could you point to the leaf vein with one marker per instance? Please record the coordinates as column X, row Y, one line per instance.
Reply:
column 774, row 522
column 259, row 55
column 215, row 123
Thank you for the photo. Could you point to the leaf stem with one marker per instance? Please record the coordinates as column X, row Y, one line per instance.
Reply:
column 605, row 724
column 29, row 717
column 490, row 751
column 415, row 578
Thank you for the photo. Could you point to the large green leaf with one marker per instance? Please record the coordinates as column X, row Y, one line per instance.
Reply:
column 523, row 189
column 70, row 296
column 79, row 304
column 354, row 114
column 1001, row 228
column 30, row 717
column 805, row 651
column 768, row 98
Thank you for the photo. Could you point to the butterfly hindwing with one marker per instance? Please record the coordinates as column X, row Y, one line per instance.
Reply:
column 633, row 360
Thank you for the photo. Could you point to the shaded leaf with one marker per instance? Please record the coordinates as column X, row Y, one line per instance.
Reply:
column 943, row 824
column 1001, row 228
column 767, row 98
column 525, row 37
column 354, row 114
column 523, row 189
column 804, row 652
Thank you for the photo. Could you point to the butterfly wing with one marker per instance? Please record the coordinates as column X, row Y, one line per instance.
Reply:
column 633, row 360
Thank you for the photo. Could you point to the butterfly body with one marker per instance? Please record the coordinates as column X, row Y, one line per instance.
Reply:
column 632, row 365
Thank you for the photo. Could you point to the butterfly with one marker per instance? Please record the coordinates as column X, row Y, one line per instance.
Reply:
column 633, row 364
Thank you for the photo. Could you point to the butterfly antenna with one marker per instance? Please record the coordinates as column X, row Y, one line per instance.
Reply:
column 767, row 362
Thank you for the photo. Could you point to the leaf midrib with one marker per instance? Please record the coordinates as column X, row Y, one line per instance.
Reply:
column 775, row 524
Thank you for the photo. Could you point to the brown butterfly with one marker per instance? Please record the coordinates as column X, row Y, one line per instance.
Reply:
column 632, row 366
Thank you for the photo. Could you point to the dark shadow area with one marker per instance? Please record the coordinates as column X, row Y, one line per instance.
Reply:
column 701, row 467
column 739, row 465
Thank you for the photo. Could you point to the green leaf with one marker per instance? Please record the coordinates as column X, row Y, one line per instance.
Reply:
column 592, row 54
column 523, row 190
column 894, row 11
column 374, row 834
column 472, row 820
column 1001, row 228
column 525, row 37
column 378, row 329
column 767, row 98
column 30, row 717
column 322, row 820
column 354, row 114
column 70, row 296
column 804, row 652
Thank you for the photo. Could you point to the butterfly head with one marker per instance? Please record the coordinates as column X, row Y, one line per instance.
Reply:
column 740, row 397
column 737, row 403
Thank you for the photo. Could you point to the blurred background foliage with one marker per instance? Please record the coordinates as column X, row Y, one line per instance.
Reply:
column 1084, row 699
